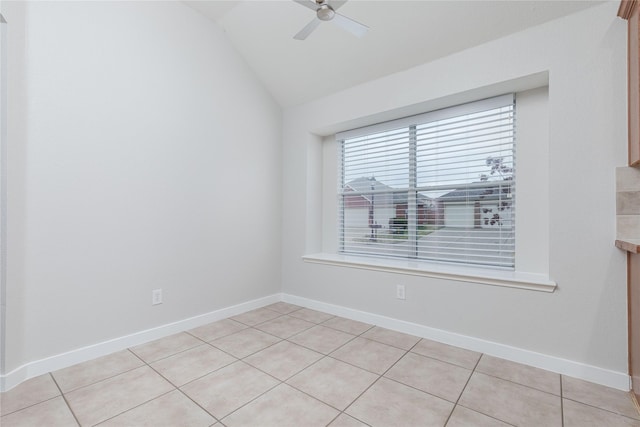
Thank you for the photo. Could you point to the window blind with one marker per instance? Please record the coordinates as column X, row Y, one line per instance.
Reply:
column 438, row 186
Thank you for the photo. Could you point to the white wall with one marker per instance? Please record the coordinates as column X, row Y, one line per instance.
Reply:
column 584, row 320
column 143, row 154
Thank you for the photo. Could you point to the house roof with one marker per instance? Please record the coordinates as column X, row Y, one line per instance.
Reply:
column 476, row 193
column 364, row 184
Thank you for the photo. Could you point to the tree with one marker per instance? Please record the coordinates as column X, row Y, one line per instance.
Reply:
column 501, row 172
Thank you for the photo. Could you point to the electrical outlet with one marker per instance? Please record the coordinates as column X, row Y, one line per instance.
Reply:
column 400, row 292
column 156, row 297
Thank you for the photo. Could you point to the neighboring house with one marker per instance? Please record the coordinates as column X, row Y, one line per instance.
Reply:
column 364, row 210
column 370, row 208
column 429, row 211
column 478, row 207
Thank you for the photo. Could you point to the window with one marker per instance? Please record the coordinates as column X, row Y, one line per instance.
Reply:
column 439, row 186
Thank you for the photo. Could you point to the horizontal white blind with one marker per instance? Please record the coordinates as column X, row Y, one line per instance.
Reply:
column 439, row 186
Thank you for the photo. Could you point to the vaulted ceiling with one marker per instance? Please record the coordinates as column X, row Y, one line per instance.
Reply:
column 402, row 34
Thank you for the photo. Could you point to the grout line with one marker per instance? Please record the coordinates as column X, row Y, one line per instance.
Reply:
column 178, row 388
column 134, row 407
column 65, row 399
column 379, row 376
column 313, row 397
column 218, row 337
column 488, row 416
column 195, row 379
column 355, row 418
column 316, row 350
column 418, row 389
column 172, row 354
column 272, row 309
column 27, row 407
column 279, row 383
column 346, row 332
column 520, row 384
column 105, row 378
column 201, row 376
column 463, row 389
column 602, row 409
column 198, row 405
column 260, row 322
column 296, row 333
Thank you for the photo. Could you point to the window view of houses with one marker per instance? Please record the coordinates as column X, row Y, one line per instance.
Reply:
column 440, row 191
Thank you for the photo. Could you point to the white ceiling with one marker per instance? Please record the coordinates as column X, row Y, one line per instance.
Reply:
column 402, row 34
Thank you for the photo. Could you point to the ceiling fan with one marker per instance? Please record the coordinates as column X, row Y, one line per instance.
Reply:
column 325, row 12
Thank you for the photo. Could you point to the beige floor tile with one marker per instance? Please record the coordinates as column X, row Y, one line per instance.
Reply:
column 370, row 355
column 432, row 376
column 447, row 353
column 165, row 347
column 311, row 315
column 283, row 307
column 463, row 417
column 321, row 339
column 388, row 403
column 284, row 359
column 215, row 330
column 389, row 337
column 581, row 415
column 246, row 342
column 189, row 365
column 333, row 382
column 344, row 420
column 171, row 409
column 512, row 403
column 280, row 407
column 227, row 389
column 255, row 317
column 521, row 374
column 349, row 326
column 284, row 326
column 599, row 396
column 108, row 398
column 28, row 393
column 54, row 413
column 95, row 370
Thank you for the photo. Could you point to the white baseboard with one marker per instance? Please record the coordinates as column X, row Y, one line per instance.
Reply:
column 618, row 380
column 64, row 360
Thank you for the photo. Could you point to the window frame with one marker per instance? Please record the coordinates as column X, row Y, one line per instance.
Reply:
column 409, row 126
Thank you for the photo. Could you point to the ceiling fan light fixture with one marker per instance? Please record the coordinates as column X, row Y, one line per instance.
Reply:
column 325, row 13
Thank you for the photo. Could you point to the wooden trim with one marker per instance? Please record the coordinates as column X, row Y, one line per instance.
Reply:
column 625, row 245
column 626, row 8
column 629, row 329
column 635, row 401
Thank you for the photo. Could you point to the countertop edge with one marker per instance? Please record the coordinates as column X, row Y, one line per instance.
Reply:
column 632, row 246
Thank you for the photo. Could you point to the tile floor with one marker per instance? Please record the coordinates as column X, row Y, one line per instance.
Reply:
column 284, row 365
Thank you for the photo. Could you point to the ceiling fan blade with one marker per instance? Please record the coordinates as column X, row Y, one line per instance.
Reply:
column 308, row 29
column 308, row 3
column 348, row 24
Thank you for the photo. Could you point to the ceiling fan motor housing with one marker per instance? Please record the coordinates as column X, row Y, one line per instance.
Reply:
column 325, row 12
